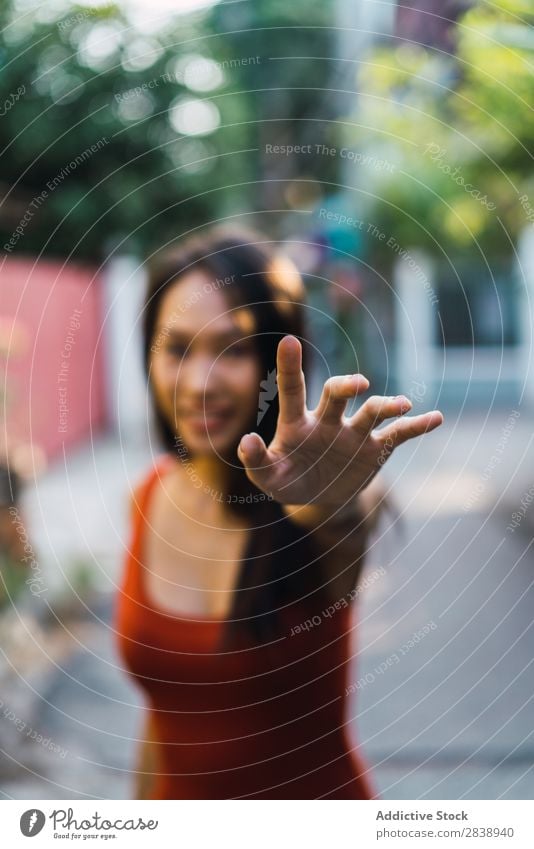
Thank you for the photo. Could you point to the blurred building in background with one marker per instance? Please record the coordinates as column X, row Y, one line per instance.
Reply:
column 430, row 22
column 55, row 377
column 430, row 209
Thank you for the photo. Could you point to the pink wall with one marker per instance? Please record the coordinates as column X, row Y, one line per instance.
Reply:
column 55, row 370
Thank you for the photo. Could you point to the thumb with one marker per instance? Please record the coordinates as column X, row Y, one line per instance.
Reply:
column 252, row 451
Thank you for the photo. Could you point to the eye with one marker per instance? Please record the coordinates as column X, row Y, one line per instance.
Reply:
column 175, row 349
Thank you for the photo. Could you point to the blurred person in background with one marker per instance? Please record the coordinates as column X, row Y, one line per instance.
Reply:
column 248, row 536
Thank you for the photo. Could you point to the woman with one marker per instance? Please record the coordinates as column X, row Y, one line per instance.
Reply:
column 248, row 536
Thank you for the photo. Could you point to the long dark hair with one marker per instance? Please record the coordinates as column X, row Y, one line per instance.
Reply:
column 280, row 564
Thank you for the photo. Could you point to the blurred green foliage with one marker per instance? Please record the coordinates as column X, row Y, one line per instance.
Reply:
column 257, row 73
column 12, row 580
column 91, row 77
column 459, row 130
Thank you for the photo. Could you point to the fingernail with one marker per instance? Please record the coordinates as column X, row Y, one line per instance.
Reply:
column 404, row 402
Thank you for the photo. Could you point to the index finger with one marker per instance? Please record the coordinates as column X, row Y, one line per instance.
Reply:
column 290, row 380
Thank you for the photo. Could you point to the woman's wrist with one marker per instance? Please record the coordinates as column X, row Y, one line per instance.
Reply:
column 313, row 515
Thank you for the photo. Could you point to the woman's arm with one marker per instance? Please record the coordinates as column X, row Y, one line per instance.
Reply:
column 343, row 535
column 147, row 764
column 321, row 464
column 364, row 508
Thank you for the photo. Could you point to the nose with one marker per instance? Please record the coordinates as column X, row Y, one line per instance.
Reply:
column 197, row 376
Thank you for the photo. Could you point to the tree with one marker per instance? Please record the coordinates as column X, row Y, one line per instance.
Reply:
column 124, row 137
column 459, row 131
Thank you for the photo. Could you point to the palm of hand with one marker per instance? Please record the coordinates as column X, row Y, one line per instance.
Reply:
column 321, row 456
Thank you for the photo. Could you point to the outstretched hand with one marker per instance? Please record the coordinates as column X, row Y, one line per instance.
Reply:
column 321, row 456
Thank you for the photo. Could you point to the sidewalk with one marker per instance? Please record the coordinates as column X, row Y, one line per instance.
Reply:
column 58, row 667
column 473, row 463
column 77, row 512
column 443, row 655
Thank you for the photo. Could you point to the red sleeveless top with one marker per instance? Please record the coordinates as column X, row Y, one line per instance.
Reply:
column 262, row 722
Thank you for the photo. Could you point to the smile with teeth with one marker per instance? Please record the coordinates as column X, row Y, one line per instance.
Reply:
column 207, row 419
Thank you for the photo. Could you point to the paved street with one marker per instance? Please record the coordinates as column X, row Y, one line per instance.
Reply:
column 445, row 714
column 93, row 713
column 453, row 717
column 450, row 715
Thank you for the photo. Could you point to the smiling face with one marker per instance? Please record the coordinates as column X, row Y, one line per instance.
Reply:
column 204, row 367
